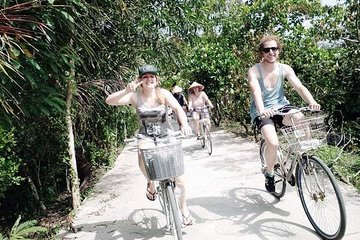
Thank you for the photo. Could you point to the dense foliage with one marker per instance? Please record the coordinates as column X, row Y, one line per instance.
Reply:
column 90, row 48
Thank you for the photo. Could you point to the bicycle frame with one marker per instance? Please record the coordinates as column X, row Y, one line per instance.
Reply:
column 284, row 161
column 166, row 205
column 204, row 128
column 203, row 124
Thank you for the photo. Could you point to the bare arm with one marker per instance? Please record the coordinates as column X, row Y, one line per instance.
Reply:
column 190, row 102
column 175, row 106
column 300, row 88
column 255, row 90
column 185, row 102
column 125, row 96
column 206, row 99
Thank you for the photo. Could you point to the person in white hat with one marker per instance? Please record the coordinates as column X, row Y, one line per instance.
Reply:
column 151, row 104
column 198, row 100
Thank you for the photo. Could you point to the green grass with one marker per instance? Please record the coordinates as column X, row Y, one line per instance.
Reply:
column 345, row 165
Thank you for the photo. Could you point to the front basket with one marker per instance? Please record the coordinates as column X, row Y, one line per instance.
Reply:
column 164, row 160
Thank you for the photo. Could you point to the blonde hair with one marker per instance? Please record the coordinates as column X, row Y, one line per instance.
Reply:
column 160, row 96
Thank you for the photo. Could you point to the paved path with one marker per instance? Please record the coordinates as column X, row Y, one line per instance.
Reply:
column 226, row 197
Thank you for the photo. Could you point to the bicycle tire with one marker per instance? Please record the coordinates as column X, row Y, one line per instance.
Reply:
column 321, row 198
column 208, row 141
column 174, row 212
column 280, row 181
column 164, row 203
column 203, row 136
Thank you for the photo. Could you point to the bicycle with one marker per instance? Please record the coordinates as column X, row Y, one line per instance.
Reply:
column 204, row 122
column 318, row 190
column 163, row 162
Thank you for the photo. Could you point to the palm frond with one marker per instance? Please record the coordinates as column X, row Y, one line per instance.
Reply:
column 23, row 230
column 2, row 237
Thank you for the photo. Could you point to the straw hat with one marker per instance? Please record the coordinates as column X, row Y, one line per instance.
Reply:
column 195, row 84
column 177, row 89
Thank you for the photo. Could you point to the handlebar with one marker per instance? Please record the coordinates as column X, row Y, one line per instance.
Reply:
column 200, row 109
column 292, row 111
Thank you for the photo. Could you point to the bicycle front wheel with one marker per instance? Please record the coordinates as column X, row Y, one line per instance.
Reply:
column 175, row 224
column 202, row 140
column 208, row 142
column 280, row 181
column 321, row 198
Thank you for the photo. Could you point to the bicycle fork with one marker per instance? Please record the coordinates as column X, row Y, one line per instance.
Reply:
column 165, row 204
column 312, row 180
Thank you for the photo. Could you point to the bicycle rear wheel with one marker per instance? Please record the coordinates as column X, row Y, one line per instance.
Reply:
column 175, row 224
column 280, row 181
column 321, row 198
column 208, row 141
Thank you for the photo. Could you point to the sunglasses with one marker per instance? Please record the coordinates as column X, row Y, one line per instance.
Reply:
column 267, row 50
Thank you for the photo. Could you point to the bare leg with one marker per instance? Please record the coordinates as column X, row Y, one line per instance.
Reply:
column 296, row 118
column 150, row 191
column 180, row 183
column 196, row 123
column 272, row 143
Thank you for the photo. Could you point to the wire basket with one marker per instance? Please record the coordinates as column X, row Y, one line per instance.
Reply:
column 309, row 133
column 164, row 160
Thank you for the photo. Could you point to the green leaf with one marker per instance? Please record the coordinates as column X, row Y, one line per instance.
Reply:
column 35, row 64
column 67, row 16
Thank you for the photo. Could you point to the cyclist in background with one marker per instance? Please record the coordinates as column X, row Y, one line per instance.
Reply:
column 198, row 100
column 177, row 93
column 266, row 80
column 151, row 104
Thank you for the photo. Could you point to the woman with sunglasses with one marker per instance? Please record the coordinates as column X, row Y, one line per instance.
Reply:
column 266, row 80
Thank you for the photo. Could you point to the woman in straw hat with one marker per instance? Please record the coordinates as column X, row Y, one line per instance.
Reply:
column 198, row 100
column 151, row 104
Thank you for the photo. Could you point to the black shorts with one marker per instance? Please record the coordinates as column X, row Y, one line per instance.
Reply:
column 275, row 120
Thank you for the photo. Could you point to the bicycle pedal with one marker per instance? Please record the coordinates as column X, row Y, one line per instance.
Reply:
column 292, row 180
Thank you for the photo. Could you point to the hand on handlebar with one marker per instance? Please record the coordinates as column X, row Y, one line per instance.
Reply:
column 268, row 113
column 186, row 130
column 314, row 106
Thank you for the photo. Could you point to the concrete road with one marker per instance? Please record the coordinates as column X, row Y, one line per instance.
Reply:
column 226, row 197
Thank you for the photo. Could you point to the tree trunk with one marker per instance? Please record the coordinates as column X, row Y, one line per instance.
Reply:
column 35, row 193
column 74, row 178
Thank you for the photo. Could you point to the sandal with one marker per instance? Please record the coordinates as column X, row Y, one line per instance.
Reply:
column 150, row 195
column 187, row 221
